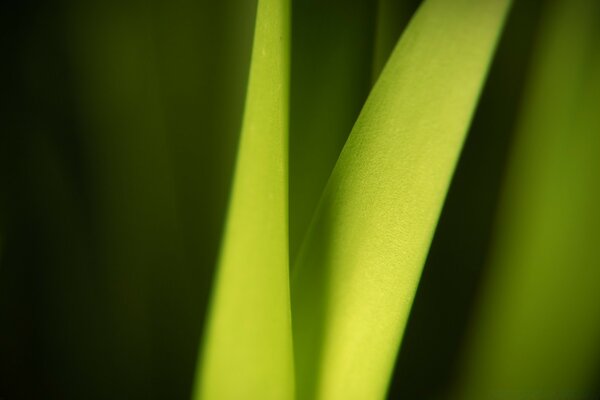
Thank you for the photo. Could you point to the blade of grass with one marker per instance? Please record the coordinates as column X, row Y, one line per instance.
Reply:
column 249, row 330
column 358, row 269
column 537, row 326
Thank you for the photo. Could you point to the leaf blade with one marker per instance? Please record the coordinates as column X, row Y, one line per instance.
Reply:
column 249, row 331
column 363, row 255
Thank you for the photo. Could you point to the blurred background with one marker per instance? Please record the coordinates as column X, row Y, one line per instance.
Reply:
column 119, row 126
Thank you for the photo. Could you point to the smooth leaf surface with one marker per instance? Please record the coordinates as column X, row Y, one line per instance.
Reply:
column 248, row 344
column 358, row 269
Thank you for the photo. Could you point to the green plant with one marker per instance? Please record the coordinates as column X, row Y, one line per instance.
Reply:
column 384, row 214
column 358, row 270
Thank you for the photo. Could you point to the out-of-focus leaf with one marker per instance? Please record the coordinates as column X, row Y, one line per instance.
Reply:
column 358, row 269
column 123, row 125
column 136, row 225
column 248, row 343
column 538, row 322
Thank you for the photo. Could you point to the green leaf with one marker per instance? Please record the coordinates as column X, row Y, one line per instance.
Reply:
column 248, row 343
column 359, row 267
column 537, row 326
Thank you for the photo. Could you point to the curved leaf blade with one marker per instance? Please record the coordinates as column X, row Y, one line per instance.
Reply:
column 358, row 269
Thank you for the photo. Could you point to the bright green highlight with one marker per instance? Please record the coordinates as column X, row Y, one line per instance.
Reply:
column 359, row 267
column 538, row 324
column 248, row 344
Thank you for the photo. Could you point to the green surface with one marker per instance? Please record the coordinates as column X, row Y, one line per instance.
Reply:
column 360, row 265
column 537, row 325
column 124, row 187
column 248, row 343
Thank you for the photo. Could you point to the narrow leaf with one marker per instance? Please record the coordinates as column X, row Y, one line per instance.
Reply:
column 358, row 269
column 248, row 343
